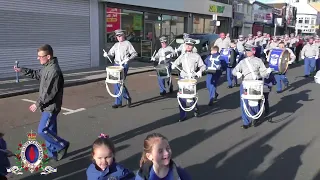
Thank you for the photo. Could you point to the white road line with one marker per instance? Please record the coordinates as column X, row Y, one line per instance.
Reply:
column 70, row 111
column 153, row 75
column 74, row 111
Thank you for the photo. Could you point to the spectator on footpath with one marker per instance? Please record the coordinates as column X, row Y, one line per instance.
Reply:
column 49, row 101
column 104, row 165
column 4, row 160
column 156, row 162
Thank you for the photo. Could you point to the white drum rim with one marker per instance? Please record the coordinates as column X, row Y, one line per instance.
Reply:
column 114, row 68
column 110, row 81
column 187, row 81
column 252, row 97
column 187, row 96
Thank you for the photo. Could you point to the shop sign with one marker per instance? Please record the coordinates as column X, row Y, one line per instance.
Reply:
column 219, row 9
column 238, row 19
column 137, row 22
column 113, row 19
column 263, row 15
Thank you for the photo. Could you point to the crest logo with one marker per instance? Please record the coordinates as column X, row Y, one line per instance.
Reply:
column 31, row 156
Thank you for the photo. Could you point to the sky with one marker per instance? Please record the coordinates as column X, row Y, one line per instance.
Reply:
column 272, row 1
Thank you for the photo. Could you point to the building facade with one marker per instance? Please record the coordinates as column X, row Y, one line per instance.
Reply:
column 78, row 30
column 26, row 25
column 263, row 18
column 242, row 18
column 307, row 17
column 145, row 21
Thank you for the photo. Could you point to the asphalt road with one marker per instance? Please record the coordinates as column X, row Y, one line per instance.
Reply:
column 212, row 146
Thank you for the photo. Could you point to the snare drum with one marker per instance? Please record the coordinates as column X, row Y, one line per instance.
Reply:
column 279, row 60
column 163, row 71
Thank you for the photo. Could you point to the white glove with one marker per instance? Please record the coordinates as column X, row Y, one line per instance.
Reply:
column 316, row 57
column 239, row 75
column 105, row 54
column 199, row 74
column 173, row 66
column 153, row 58
column 302, row 57
column 269, row 70
column 168, row 56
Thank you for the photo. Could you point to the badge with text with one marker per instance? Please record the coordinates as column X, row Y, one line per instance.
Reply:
column 31, row 156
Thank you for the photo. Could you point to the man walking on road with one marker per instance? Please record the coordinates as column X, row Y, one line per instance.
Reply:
column 49, row 101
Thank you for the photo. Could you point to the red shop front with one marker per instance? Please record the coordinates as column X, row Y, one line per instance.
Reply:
column 256, row 28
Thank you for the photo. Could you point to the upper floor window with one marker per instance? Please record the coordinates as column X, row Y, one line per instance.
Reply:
column 306, row 20
column 300, row 20
column 313, row 21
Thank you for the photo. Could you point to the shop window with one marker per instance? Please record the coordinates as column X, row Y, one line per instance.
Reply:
column 130, row 21
column 198, row 25
column 172, row 26
column 207, row 26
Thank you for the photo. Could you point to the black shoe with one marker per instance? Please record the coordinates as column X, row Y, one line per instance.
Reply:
column 129, row 103
column 306, row 76
column 163, row 93
column 245, row 126
column 216, row 97
column 255, row 123
column 62, row 152
column 183, row 119
column 115, row 106
column 171, row 90
column 229, row 87
column 236, row 85
column 210, row 103
column 196, row 112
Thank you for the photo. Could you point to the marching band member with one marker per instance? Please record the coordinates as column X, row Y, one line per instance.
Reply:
column 250, row 40
column 240, row 47
column 258, row 41
column 222, row 42
column 213, row 60
column 293, row 42
column 286, row 40
column 182, row 48
column 310, row 54
column 190, row 63
column 123, row 52
column 282, row 78
column 266, row 39
column 232, row 63
column 251, row 68
column 164, row 57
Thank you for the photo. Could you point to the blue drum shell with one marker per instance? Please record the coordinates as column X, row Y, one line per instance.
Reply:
column 278, row 60
column 225, row 56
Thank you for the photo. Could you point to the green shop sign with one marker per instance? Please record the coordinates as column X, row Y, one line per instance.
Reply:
column 216, row 9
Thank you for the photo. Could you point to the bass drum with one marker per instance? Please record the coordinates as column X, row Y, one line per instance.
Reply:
column 279, row 60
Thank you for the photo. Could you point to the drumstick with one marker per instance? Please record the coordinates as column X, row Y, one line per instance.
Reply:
column 107, row 55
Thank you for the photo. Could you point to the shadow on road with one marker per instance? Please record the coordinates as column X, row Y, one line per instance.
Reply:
column 239, row 165
column 76, row 168
column 289, row 104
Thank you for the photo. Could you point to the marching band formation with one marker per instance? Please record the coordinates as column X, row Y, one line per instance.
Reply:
column 260, row 62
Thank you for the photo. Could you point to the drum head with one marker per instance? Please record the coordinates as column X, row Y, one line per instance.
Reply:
column 284, row 61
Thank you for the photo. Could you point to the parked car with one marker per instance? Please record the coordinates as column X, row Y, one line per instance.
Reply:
column 203, row 44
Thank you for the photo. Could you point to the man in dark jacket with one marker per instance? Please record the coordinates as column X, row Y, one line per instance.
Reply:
column 49, row 101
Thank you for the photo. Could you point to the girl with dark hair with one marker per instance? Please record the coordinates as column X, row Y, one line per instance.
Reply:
column 104, row 165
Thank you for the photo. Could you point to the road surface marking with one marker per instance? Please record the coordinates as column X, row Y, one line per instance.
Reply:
column 153, row 75
column 70, row 111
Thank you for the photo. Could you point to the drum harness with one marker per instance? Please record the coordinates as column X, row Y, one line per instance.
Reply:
column 191, row 75
column 259, row 114
column 121, row 83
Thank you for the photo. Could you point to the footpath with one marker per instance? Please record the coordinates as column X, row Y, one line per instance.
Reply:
column 9, row 87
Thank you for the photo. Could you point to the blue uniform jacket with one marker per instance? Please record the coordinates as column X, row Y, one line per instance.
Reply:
column 222, row 63
column 115, row 171
column 175, row 173
column 4, row 160
column 268, row 83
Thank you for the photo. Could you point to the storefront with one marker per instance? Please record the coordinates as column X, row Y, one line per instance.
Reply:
column 263, row 19
column 146, row 21
column 26, row 25
column 237, row 24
